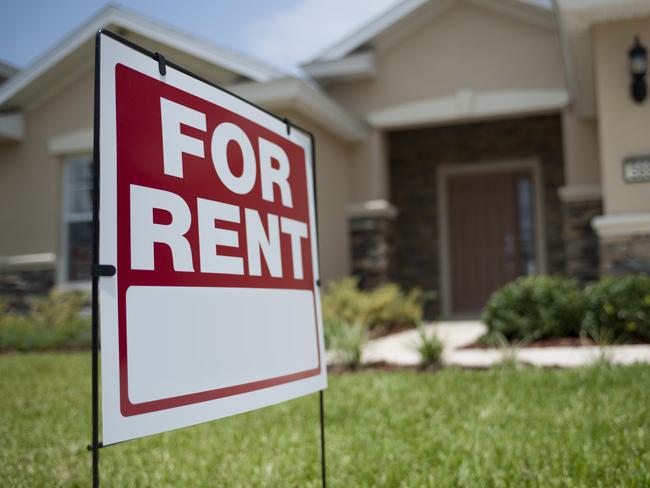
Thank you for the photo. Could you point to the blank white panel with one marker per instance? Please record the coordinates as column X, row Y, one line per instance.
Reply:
column 183, row 340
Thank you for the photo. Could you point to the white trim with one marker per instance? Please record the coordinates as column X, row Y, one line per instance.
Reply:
column 386, row 25
column 372, row 208
column 47, row 259
column 442, row 174
column 469, row 105
column 66, row 219
column 12, row 126
column 619, row 225
column 115, row 17
column 520, row 10
column 71, row 143
column 291, row 93
column 567, row 65
column 580, row 193
column 354, row 67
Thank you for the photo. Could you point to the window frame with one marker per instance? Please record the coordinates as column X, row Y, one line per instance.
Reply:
column 68, row 217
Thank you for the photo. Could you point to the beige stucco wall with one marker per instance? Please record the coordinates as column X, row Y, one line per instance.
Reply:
column 581, row 154
column 30, row 177
column 624, row 127
column 465, row 48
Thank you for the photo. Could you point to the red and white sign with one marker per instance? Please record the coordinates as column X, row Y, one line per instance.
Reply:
column 207, row 213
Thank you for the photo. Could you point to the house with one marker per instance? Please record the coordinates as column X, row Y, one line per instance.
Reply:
column 459, row 144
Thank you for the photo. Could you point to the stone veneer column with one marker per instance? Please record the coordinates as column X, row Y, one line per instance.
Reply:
column 371, row 241
column 580, row 205
column 624, row 243
column 19, row 286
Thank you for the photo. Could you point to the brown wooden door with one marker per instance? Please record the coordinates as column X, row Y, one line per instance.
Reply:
column 490, row 235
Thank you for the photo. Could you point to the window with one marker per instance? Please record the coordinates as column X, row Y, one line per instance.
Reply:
column 526, row 223
column 77, row 218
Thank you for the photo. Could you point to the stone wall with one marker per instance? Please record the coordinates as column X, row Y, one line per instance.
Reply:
column 372, row 243
column 581, row 241
column 625, row 255
column 18, row 287
column 414, row 156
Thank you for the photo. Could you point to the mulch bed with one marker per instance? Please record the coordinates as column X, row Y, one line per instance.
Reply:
column 551, row 342
column 380, row 366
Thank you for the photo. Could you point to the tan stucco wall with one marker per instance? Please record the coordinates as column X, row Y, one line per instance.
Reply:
column 581, row 155
column 30, row 177
column 333, row 191
column 465, row 48
column 624, row 127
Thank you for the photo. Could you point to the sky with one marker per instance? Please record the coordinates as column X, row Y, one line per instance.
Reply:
column 280, row 32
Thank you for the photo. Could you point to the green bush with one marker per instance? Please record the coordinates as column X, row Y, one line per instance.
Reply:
column 53, row 322
column 430, row 348
column 618, row 307
column 346, row 341
column 534, row 307
column 382, row 308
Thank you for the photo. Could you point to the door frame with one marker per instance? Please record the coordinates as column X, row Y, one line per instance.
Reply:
column 443, row 172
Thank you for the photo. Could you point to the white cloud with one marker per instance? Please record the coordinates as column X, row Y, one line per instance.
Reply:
column 303, row 30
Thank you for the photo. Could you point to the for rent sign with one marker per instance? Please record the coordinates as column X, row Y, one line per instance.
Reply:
column 207, row 213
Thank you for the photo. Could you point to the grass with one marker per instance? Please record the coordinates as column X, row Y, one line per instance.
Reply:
column 587, row 427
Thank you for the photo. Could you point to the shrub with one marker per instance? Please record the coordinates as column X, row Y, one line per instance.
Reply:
column 430, row 348
column 534, row 307
column 618, row 308
column 347, row 340
column 343, row 302
column 53, row 322
column 382, row 308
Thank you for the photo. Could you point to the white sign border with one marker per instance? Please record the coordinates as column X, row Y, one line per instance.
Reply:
column 115, row 426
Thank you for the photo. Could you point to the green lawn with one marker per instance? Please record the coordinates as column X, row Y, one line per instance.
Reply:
column 506, row 427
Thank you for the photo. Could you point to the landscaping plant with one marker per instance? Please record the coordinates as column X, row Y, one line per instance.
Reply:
column 535, row 307
column 618, row 308
column 53, row 322
column 379, row 309
column 430, row 348
column 347, row 340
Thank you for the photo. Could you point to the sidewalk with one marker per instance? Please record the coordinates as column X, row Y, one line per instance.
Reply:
column 400, row 349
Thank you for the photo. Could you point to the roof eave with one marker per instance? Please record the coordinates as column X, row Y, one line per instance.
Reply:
column 116, row 18
column 295, row 94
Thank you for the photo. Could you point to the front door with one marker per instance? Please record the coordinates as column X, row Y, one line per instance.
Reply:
column 491, row 234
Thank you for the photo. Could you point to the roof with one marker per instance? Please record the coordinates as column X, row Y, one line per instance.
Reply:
column 412, row 13
column 293, row 93
column 7, row 70
column 257, row 81
column 76, row 48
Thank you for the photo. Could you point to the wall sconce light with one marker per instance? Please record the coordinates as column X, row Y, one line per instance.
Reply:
column 638, row 64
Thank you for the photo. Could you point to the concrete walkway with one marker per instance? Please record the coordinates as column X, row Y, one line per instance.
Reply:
column 400, row 349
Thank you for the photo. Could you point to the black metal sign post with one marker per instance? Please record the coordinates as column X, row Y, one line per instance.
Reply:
column 99, row 270
column 323, row 470
column 94, row 447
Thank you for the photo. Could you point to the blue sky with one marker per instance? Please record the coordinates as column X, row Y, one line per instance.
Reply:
column 281, row 32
